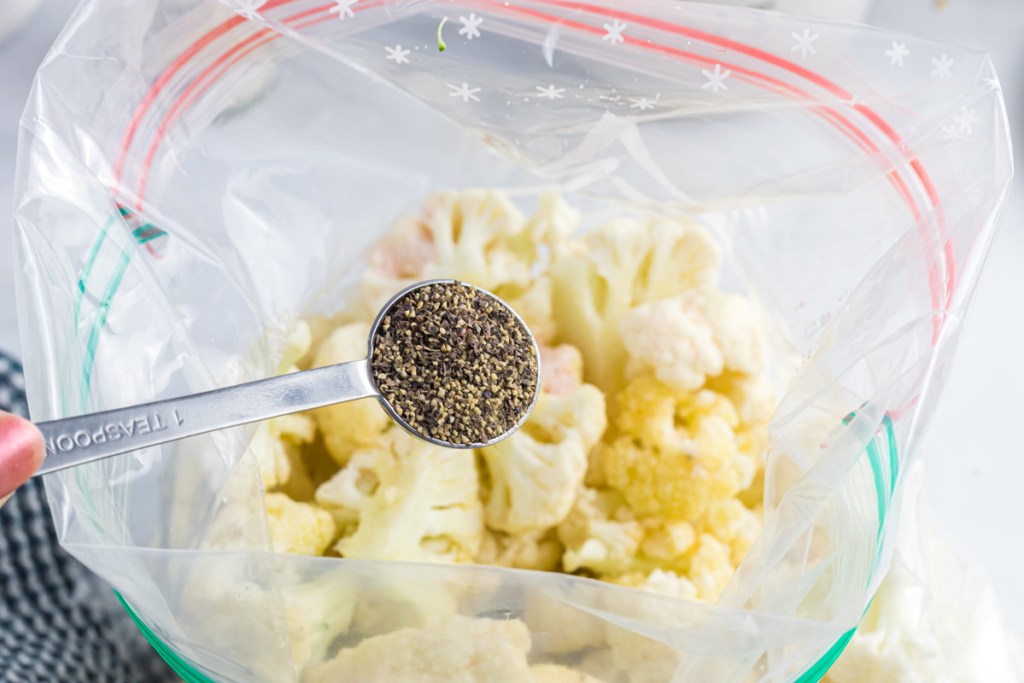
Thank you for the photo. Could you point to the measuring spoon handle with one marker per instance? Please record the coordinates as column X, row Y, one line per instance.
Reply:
column 76, row 440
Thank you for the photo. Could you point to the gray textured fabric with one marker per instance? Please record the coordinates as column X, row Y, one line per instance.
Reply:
column 58, row 622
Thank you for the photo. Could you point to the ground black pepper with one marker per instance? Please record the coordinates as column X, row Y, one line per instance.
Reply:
column 454, row 363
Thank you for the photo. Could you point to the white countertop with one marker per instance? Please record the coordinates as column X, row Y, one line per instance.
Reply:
column 976, row 460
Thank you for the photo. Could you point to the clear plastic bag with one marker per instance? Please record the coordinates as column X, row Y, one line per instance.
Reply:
column 194, row 175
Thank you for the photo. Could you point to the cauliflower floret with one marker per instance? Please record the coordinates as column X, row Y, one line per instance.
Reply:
column 735, row 327
column 355, row 424
column 346, row 493
column 425, row 507
column 553, row 673
column 600, row 534
column 561, row 368
column 623, row 264
column 733, row 524
column 535, row 473
column 539, row 550
column 667, row 540
column 272, row 455
column 461, row 650
column 318, row 611
column 296, row 346
column 710, row 568
column 678, row 451
column 661, row 582
column 298, row 528
column 668, row 340
column 463, row 235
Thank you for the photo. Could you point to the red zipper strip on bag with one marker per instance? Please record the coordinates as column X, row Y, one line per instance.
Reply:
column 841, row 122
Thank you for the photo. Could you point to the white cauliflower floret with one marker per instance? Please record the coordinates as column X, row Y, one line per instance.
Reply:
column 535, row 472
column 540, row 550
column 425, row 507
column 346, row 493
column 463, row 235
column 319, row 611
column 600, row 534
column 735, row 326
column 355, row 424
column 666, row 339
column 298, row 528
column 461, row 650
column 561, row 368
column 621, row 265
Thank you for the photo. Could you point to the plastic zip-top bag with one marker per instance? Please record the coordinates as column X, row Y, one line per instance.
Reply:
column 194, row 176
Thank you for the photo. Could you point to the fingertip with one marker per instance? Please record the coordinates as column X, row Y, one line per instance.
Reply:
column 21, row 451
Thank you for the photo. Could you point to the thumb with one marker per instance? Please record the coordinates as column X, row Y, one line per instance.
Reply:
column 21, row 452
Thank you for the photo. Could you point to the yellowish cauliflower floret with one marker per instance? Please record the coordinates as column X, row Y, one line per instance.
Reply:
column 540, row 550
column 425, row 508
column 710, row 568
column 623, row 264
column 600, row 534
column 356, row 424
column 678, row 451
column 661, row 582
column 460, row 650
column 536, row 472
column 667, row 540
column 735, row 525
column 298, row 528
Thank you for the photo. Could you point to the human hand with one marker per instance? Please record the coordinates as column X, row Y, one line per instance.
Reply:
column 21, row 453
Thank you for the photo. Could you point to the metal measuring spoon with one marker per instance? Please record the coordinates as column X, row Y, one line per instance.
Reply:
column 77, row 440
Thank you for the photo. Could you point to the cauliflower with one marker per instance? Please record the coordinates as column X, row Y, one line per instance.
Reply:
column 346, row 493
column 666, row 339
column 677, row 451
column 389, row 600
column 317, row 612
column 660, row 582
column 276, row 444
column 733, row 524
column 535, row 473
column 460, row 650
column 296, row 346
column 561, row 368
column 539, row 550
column 553, row 673
column 600, row 534
column 356, row 424
column 691, row 337
column 462, row 235
column 298, row 528
column 621, row 265
column 667, row 540
column 425, row 507
column 710, row 568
